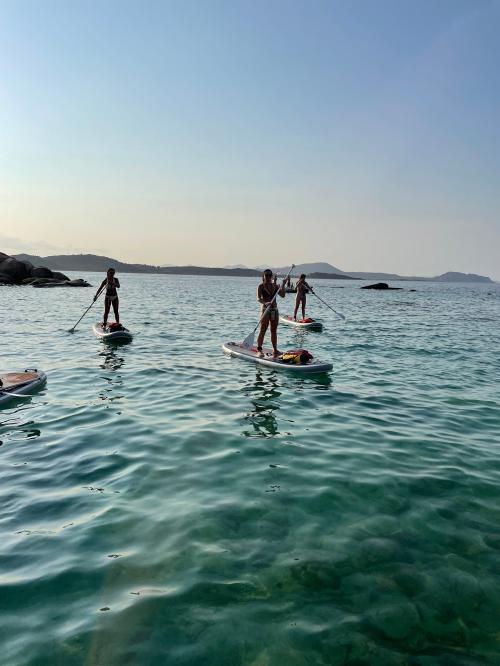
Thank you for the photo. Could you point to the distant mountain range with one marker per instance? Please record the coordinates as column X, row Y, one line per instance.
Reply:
column 324, row 270
column 450, row 276
column 100, row 264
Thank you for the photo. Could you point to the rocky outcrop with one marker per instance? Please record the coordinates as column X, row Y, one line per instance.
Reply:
column 380, row 285
column 16, row 272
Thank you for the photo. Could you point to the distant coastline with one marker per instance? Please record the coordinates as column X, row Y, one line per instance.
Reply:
column 92, row 262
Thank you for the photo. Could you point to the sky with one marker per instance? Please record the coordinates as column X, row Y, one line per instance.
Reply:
column 365, row 133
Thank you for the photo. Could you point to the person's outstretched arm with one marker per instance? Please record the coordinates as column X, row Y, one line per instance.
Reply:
column 100, row 288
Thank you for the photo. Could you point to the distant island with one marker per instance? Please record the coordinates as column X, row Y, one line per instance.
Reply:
column 325, row 270
column 318, row 270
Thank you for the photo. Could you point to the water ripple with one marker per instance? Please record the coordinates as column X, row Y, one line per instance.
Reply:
column 165, row 504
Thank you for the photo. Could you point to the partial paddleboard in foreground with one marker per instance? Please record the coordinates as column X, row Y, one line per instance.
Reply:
column 20, row 384
column 240, row 351
column 308, row 323
column 110, row 335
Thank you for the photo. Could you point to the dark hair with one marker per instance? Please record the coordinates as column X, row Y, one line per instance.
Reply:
column 111, row 269
column 268, row 270
column 303, row 276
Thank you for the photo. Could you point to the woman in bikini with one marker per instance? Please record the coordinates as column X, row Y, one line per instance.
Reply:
column 302, row 289
column 266, row 293
column 111, row 297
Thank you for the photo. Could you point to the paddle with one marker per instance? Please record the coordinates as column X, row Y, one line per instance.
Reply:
column 16, row 395
column 72, row 330
column 339, row 314
column 249, row 340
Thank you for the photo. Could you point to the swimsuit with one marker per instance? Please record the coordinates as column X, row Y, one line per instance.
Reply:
column 302, row 289
column 273, row 312
column 111, row 293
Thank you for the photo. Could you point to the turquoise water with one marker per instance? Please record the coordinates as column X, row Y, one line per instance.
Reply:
column 164, row 504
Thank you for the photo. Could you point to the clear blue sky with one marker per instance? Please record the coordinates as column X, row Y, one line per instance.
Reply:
column 363, row 133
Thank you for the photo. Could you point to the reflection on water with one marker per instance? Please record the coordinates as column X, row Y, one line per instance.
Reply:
column 264, row 395
column 112, row 361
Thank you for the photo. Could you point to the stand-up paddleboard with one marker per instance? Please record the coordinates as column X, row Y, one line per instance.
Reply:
column 240, row 351
column 15, row 384
column 312, row 324
column 112, row 336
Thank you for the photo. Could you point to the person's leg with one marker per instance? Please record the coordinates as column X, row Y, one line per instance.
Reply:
column 274, row 335
column 297, row 301
column 262, row 332
column 304, row 307
column 116, row 303
column 106, row 311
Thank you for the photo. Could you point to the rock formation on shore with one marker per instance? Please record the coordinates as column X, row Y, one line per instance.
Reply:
column 15, row 272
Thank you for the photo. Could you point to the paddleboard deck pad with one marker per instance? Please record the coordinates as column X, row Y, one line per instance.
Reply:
column 108, row 334
column 251, row 354
column 301, row 323
column 13, row 384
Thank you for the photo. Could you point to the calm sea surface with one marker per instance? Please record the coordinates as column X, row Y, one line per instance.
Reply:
column 163, row 504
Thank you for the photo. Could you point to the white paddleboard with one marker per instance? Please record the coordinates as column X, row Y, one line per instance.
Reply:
column 239, row 350
column 112, row 336
column 300, row 323
column 20, row 383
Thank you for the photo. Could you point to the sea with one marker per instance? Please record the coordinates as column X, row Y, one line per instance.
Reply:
column 163, row 504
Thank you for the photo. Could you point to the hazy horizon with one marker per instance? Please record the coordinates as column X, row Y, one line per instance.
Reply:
column 221, row 133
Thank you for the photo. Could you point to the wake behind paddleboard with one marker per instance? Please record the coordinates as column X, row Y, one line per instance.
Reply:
column 240, row 351
column 112, row 336
column 14, row 384
column 309, row 323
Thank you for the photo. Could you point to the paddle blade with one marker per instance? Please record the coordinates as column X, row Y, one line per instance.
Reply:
column 249, row 340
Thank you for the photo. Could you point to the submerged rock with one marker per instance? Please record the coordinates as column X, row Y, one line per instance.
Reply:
column 395, row 622
column 47, row 282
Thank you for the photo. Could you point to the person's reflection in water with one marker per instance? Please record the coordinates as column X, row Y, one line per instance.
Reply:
column 264, row 394
column 112, row 362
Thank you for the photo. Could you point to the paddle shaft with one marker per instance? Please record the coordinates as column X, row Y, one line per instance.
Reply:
column 339, row 314
column 71, row 330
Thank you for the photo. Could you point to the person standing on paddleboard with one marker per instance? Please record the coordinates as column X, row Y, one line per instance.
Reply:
column 300, row 300
column 111, row 297
column 265, row 295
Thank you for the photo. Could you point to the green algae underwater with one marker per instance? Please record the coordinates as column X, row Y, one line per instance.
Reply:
column 164, row 504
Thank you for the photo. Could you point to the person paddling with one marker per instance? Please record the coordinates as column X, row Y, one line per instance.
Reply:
column 111, row 297
column 300, row 299
column 266, row 293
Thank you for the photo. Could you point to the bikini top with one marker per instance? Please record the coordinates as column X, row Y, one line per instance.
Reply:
column 302, row 287
column 111, row 289
column 269, row 295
